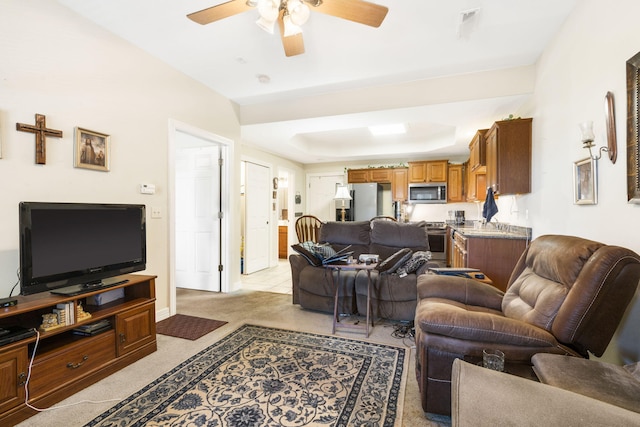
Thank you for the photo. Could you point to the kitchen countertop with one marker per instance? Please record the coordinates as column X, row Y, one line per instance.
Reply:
column 493, row 231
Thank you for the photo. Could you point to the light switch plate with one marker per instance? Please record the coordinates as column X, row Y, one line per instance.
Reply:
column 147, row 189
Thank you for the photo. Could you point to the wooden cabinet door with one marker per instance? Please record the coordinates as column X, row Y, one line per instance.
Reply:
column 358, row 176
column 417, row 172
column 454, row 184
column 400, row 184
column 135, row 328
column 492, row 159
column 13, row 374
column 509, row 156
column 381, row 175
column 477, row 149
column 437, row 171
column 282, row 242
column 476, row 189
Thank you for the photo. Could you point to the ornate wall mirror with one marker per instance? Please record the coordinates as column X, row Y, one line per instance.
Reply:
column 633, row 161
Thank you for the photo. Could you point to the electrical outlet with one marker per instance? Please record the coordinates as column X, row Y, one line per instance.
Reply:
column 156, row 212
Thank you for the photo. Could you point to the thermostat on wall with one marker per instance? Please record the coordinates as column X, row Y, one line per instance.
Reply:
column 147, row 189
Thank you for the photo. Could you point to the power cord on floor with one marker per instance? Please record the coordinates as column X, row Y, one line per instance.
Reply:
column 403, row 330
column 26, row 386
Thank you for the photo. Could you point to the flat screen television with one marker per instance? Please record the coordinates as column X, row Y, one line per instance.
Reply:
column 69, row 248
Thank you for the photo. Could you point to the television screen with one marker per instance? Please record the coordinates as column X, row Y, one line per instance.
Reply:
column 64, row 244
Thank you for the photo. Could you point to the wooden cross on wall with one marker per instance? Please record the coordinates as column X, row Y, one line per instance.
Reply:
column 41, row 131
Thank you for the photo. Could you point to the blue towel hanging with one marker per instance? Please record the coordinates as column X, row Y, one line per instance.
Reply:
column 489, row 209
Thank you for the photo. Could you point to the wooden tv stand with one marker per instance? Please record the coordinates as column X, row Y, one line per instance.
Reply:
column 64, row 362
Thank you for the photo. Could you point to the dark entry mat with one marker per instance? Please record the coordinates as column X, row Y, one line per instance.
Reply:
column 187, row 327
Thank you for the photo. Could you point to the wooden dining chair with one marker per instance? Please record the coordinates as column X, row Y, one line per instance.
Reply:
column 308, row 228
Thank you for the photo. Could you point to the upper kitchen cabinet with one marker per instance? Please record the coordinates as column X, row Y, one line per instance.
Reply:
column 508, row 155
column 477, row 150
column 476, row 171
column 455, row 184
column 428, row 171
column 399, row 184
column 360, row 176
column 397, row 177
column 382, row 176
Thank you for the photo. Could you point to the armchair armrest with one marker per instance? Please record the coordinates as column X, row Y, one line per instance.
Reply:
column 297, row 262
column 481, row 397
column 456, row 320
column 460, row 289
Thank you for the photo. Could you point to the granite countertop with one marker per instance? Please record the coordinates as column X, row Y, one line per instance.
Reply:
column 494, row 231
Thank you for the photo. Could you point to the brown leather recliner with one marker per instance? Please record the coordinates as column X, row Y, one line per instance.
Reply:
column 566, row 295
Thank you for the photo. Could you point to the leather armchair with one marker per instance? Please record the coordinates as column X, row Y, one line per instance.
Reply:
column 566, row 295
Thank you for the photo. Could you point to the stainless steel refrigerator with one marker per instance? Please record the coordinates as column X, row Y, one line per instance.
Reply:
column 367, row 201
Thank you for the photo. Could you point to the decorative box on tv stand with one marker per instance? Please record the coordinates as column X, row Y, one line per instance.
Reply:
column 106, row 297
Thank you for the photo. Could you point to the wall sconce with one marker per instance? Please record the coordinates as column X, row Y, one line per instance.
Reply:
column 342, row 194
column 586, row 128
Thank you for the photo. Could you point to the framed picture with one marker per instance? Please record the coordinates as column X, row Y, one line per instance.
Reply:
column 92, row 150
column 585, row 185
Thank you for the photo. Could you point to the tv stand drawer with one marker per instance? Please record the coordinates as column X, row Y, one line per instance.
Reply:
column 59, row 368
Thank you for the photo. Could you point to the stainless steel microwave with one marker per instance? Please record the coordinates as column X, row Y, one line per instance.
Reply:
column 428, row 193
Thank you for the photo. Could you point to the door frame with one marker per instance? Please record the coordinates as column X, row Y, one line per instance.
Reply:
column 226, row 150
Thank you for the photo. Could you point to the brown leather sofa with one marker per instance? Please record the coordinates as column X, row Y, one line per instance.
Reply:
column 566, row 295
column 393, row 297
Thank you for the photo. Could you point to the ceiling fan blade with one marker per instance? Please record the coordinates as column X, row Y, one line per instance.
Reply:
column 221, row 11
column 293, row 45
column 359, row 11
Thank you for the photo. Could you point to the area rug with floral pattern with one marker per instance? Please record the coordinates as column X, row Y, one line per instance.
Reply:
column 259, row 376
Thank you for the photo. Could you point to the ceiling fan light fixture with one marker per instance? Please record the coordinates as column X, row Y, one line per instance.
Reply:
column 269, row 9
column 266, row 25
column 290, row 29
column 252, row 3
column 298, row 11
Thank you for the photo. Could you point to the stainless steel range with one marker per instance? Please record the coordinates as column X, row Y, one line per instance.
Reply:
column 436, row 232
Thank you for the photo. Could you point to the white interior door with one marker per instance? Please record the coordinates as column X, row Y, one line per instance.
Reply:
column 197, row 225
column 320, row 194
column 257, row 214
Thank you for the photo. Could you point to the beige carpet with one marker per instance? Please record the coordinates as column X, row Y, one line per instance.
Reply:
column 260, row 308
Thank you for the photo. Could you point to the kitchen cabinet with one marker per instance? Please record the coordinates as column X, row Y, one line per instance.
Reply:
column 477, row 150
column 380, row 175
column 495, row 256
column 282, row 241
column 361, row 176
column 399, row 184
column 428, row 171
column 508, row 156
column 455, row 187
column 476, row 188
column 358, row 176
column 397, row 177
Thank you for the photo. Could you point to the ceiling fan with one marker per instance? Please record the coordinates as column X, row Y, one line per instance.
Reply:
column 291, row 14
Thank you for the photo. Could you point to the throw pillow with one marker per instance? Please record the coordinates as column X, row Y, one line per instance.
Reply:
column 414, row 263
column 309, row 255
column 393, row 262
column 324, row 251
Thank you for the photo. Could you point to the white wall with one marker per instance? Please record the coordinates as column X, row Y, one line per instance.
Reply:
column 56, row 63
column 586, row 60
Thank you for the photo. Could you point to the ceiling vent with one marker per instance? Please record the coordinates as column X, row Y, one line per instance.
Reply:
column 467, row 22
